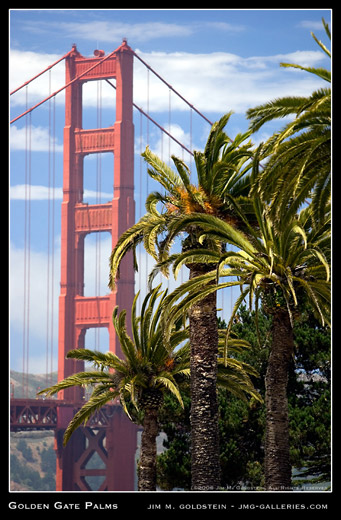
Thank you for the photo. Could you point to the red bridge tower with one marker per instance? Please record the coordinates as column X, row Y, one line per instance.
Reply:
column 116, row 443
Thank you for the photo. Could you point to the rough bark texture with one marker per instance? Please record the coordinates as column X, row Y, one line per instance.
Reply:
column 277, row 457
column 147, row 463
column 204, row 404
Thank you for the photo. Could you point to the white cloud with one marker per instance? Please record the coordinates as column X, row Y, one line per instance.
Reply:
column 164, row 146
column 23, row 191
column 212, row 82
column 24, row 65
column 115, row 31
column 35, row 192
column 37, row 293
column 312, row 25
column 220, row 81
column 108, row 31
column 38, row 137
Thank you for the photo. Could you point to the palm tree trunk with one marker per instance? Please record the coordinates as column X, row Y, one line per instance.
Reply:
column 277, row 456
column 147, row 463
column 204, row 404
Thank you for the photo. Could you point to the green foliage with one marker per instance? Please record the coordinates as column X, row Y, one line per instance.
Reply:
column 241, row 443
column 148, row 366
column 313, row 354
column 286, row 259
column 174, row 464
column 25, row 450
column 48, row 461
column 224, row 176
column 25, row 475
column 242, row 424
column 310, row 402
column 297, row 158
column 310, row 434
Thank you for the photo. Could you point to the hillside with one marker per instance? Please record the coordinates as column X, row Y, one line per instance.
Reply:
column 35, row 382
column 32, row 456
column 32, row 461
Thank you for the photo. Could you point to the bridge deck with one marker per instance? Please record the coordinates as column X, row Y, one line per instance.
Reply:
column 42, row 414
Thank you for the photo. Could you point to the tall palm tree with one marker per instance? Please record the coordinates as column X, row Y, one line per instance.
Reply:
column 223, row 181
column 299, row 156
column 149, row 370
column 283, row 265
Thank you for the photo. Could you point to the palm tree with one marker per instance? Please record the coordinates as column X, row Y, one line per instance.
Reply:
column 148, row 371
column 223, row 175
column 141, row 379
column 299, row 156
column 283, row 265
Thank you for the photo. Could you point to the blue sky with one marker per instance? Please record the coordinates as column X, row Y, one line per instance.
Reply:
column 220, row 60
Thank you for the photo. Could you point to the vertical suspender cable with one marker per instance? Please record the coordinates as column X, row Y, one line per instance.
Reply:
column 25, row 257
column 161, row 152
column 52, row 235
column 169, row 123
column 48, row 243
column 190, row 137
column 147, row 175
column 169, row 146
column 140, row 213
column 27, row 248
column 98, row 201
column 29, row 254
column 148, row 106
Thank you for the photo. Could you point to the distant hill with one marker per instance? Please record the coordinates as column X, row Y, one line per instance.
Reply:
column 35, row 382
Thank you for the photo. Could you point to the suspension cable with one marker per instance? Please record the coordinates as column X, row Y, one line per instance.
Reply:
column 140, row 211
column 147, row 176
column 155, row 123
column 170, row 87
column 190, row 137
column 27, row 254
column 169, row 120
column 53, row 232
column 48, row 241
column 64, row 87
column 40, row 73
column 98, row 201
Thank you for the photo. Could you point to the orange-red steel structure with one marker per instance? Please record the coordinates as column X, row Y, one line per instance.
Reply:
column 78, row 313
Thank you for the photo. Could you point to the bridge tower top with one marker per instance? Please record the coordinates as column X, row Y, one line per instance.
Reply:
column 78, row 313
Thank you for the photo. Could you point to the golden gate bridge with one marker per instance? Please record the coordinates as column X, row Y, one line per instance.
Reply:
column 109, row 434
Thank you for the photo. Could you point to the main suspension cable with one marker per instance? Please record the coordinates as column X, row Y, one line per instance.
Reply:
column 40, row 73
column 64, row 87
column 171, row 88
column 155, row 123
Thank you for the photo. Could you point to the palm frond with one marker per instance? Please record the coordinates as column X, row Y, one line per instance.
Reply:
column 84, row 414
column 322, row 73
column 161, row 172
column 127, row 345
column 81, row 379
column 276, row 109
column 167, row 382
column 97, row 358
column 327, row 31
